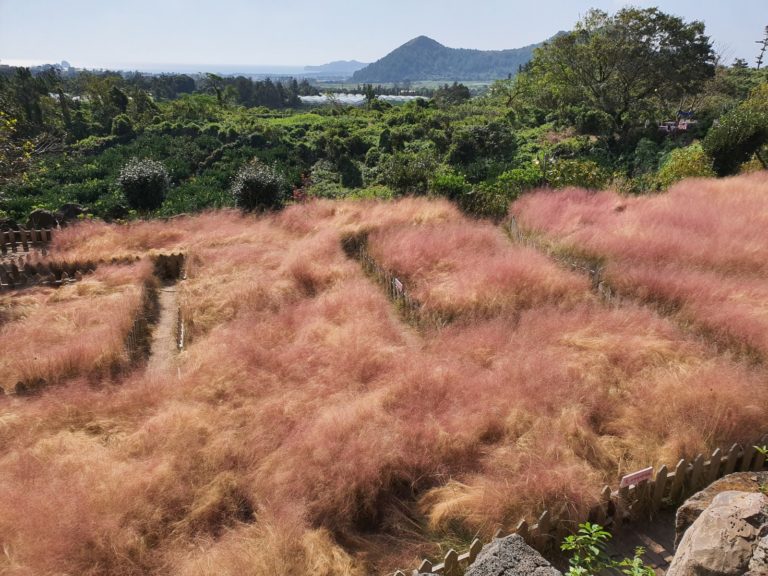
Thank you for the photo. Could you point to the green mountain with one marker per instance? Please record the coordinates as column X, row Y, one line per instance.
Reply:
column 425, row 59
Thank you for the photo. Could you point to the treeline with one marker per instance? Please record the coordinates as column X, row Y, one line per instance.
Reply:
column 650, row 105
column 85, row 103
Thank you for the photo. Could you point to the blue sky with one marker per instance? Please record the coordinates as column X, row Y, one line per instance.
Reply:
column 108, row 33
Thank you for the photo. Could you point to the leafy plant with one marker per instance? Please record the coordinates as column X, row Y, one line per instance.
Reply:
column 144, row 183
column 588, row 549
column 589, row 556
column 258, row 186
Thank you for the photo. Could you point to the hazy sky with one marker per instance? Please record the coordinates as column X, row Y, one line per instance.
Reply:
column 109, row 33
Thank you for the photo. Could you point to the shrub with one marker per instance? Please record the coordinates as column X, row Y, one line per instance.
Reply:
column 144, row 183
column 258, row 186
column 518, row 180
column 408, row 172
column 448, row 183
column 688, row 162
column 582, row 173
column 122, row 125
column 740, row 134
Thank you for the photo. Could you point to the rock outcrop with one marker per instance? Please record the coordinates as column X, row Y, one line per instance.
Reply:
column 696, row 504
column 727, row 539
column 510, row 556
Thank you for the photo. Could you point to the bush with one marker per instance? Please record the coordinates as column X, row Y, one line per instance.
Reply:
column 448, row 183
column 517, row 180
column 122, row 125
column 408, row 172
column 144, row 183
column 740, row 134
column 258, row 186
column 583, row 173
column 688, row 162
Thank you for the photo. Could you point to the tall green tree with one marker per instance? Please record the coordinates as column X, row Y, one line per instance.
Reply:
column 629, row 67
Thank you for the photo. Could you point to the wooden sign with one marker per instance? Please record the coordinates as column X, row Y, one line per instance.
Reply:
column 637, row 477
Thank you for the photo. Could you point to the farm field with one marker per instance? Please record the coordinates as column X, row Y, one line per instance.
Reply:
column 311, row 424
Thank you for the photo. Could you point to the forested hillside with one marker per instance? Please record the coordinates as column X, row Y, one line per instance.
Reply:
column 425, row 59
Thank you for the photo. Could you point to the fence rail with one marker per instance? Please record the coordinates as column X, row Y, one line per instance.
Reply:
column 587, row 266
column 357, row 247
column 20, row 274
column 24, row 240
column 628, row 503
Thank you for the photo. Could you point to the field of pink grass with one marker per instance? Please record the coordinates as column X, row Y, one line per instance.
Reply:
column 308, row 429
column 700, row 249
column 51, row 335
column 467, row 269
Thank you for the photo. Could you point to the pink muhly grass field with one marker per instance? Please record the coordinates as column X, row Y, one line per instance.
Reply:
column 307, row 428
column 701, row 247
column 470, row 269
column 76, row 330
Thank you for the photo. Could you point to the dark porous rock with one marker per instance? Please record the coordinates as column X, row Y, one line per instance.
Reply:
column 8, row 224
column 41, row 219
column 696, row 504
column 726, row 539
column 70, row 211
column 510, row 556
column 758, row 566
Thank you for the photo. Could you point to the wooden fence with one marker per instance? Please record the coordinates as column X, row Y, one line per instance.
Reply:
column 12, row 241
column 20, row 273
column 590, row 267
column 357, row 247
column 628, row 503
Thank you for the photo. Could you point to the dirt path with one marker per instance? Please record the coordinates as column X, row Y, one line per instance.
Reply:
column 164, row 349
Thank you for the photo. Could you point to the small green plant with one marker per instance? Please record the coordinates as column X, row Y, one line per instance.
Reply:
column 588, row 549
column 589, row 556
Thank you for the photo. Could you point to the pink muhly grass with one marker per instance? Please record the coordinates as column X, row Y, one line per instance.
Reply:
column 701, row 247
column 470, row 269
column 306, row 415
column 78, row 329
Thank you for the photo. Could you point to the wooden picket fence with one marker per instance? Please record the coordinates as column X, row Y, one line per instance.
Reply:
column 12, row 241
column 628, row 503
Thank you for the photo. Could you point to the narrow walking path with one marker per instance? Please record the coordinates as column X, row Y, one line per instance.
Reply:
column 164, row 338
column 657, row 537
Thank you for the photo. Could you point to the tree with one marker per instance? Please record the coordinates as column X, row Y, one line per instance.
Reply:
column 631, row 66
column 740, row 133
column 144, row 183
column 258, row 186
column 455, row 94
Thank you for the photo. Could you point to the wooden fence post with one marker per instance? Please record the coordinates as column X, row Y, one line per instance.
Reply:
column 677, row 482
column 451, row 563
column 543, row 528
column 696, row 474
column 730, row 463
column 523, row 531
column 474, row 550
column 746, row 457
column 714, row 466
column 659, row 484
